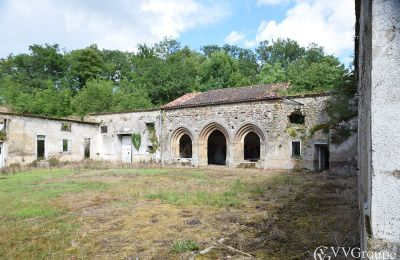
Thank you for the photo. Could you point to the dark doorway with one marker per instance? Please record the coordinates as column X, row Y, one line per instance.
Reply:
column 252, row 147
column 216, row 148
column 86, row 144
column 321, row 157
column 185, row 146
column 40, row 147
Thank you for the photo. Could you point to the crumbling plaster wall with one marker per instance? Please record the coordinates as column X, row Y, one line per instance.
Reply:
column 270, row 116
column 21, row 142
column 379, row 124
column 109, row 144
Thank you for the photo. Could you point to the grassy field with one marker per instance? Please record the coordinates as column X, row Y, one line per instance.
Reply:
column 173, row 213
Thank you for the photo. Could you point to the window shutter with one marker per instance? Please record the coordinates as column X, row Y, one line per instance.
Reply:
column 69, row 145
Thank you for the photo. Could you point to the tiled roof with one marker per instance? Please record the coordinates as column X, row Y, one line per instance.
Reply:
column 228, row 95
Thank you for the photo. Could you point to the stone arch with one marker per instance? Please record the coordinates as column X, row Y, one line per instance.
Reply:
column 213, row 130
column 176, row 142
column 240, row 142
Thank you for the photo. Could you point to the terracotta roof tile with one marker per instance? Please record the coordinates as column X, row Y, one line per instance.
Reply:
column 228, row 95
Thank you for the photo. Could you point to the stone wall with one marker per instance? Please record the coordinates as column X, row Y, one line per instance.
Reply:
column 20, row 146
column 120, row 124
column 269, row 119
column 379, row 124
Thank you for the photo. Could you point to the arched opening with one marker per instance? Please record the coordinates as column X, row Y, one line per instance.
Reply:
column 216, row 148
column 252, row 147
column 185, row 146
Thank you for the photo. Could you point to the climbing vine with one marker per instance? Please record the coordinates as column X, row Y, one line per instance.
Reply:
column 153, row 138
column 136, row 140
column 3, row 136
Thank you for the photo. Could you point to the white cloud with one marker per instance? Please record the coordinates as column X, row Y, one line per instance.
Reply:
column 272, row 2
column 327, row 23
column 234, row 37
column 109, row 24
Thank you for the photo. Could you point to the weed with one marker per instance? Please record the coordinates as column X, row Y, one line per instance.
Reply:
column 182, row 246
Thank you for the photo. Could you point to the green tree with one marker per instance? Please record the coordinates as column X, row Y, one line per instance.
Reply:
column 96, row 96
column 84, row 65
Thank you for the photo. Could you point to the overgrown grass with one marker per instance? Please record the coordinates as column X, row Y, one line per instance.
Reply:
column 81, row 213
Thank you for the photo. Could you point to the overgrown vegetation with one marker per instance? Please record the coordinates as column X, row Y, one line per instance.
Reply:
column 184, row 246
column 3, row 135
column 95, row 212
column 136, row 140
column 49, row 81
column 153, row 138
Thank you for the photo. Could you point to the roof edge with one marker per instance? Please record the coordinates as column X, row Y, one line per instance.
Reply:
column 247, row 101
column 49, row 118
column 125, row 112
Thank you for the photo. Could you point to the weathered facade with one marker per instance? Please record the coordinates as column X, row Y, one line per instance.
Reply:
column 272, row 136
column 378, row 53
column 239, row 127
column 26, row 139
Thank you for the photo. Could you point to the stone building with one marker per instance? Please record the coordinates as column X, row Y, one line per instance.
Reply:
column 245, row 127
column 237, row 127
column 378, row 66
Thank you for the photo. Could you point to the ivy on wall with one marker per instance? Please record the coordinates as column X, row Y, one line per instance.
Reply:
column 136, row 140
column 153, row 138
column 3, row 136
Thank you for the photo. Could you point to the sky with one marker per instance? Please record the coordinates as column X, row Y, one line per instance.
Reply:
column 123, row 24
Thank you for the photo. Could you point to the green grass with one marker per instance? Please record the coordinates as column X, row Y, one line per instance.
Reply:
column 182, row 246
column 90, row 212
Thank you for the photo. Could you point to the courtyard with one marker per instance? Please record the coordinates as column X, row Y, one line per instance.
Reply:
column 174, row 213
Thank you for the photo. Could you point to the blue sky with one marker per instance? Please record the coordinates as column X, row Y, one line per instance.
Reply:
column 122, row 24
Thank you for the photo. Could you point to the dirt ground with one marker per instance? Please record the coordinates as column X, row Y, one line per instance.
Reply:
column 174, row 214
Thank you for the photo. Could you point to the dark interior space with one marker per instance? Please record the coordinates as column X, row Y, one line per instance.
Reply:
column 216, row 148
column 297, row 117
column 321, row 157
column 252, row 147
column 185, row 146
column 40, row 147
column 87, row 148
column 296, row 150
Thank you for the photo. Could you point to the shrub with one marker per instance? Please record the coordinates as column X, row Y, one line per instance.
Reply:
column 181, row 246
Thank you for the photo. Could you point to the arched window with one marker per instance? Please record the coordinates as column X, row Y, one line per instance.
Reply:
column 252, row 147
column 185, row 146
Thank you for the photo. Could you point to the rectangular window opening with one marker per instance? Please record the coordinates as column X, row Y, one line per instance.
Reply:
column 104, row 129
column 150, row 126
column 65, row 145
column 296, row 150
column 66, row 126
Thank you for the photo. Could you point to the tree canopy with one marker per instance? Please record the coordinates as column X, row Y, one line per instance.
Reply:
column 49, row 81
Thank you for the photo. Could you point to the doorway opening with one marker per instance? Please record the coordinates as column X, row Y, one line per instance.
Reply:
column 252, row 147
column 40, row 147
column 86, row 148
column 126, row 148
column 216, row 148
column 185, row 146
column 321, row 157
column 1, row 155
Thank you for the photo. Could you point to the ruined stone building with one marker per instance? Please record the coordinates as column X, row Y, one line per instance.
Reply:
column 378, row 66
column 237, row 127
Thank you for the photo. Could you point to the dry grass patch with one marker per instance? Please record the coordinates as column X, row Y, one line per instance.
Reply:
column 168, row 213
